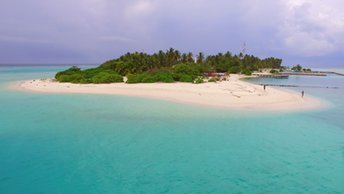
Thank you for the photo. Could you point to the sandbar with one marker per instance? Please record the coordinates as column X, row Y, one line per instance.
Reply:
column 233, row 93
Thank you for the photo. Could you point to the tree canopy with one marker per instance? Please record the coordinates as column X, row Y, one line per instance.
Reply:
column 296, row 68
column 166, row 66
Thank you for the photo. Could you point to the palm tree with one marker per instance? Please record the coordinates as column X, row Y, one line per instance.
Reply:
column 162, row 58
column 177, row 55
column 184, row 58
column 170, row 57
column 200, row 57
column 190, row 57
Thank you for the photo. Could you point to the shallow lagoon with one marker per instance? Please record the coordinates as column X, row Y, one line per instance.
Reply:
column 113, row 144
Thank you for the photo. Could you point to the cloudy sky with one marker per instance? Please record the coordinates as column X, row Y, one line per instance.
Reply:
column 309, row 32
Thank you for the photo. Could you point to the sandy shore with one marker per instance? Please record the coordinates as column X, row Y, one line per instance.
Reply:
column 227, row 94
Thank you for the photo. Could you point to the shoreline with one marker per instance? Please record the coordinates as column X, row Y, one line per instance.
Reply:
column 232, row 94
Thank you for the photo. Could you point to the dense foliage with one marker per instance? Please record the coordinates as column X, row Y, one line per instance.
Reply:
column 296, row 68
column 94, row 75
column 299, row 68
column 273, row 71
column 169, row 66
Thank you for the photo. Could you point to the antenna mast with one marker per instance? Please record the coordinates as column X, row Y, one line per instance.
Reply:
column 243, row 51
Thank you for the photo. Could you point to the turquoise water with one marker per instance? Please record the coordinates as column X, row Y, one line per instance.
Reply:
column 64, row 143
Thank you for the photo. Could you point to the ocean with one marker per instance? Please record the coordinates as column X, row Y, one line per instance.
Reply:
column 73, row 143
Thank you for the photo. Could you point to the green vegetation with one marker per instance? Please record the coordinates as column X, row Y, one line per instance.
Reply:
column 296, row 68
column 299, row 68
column 214, row 79
column 106, row 77
column 94, row 75
column 169, row 66
column 246, row 72
column 199, row 80
column 274, row 71
column 150, row 78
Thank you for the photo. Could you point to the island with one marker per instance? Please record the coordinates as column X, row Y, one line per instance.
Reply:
column 215, row 81
column 168, row 67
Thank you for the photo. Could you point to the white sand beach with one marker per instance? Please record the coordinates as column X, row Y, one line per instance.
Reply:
column 234, row 93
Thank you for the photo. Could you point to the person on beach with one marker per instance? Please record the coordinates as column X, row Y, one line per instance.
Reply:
column 302, row 93
column 264, row 87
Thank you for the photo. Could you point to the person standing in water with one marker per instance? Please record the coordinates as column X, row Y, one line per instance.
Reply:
column 302, row 93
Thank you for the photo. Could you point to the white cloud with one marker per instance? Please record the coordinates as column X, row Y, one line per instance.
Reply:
column 312, row 28
column 307, row 44
column 140, row 8
column 106, row 28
